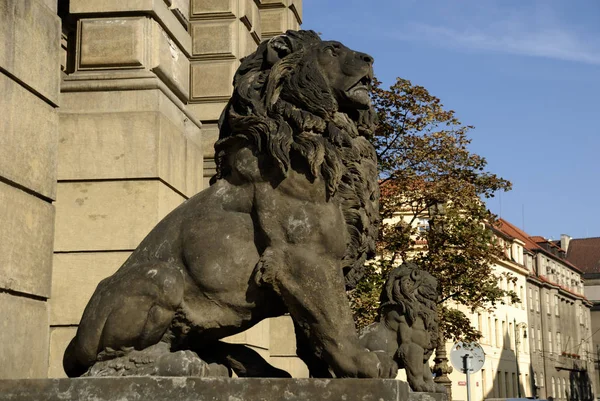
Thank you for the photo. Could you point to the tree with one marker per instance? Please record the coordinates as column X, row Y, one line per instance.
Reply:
column 432, row 204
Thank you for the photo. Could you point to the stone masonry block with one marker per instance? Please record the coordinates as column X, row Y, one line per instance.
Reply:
column 158, row 9
column 30, row 33
column 23, row 338
column 207, row 8
column 28, row 138
column 59, row 339
column 126, row 145
column 212, row 80
column 210, row 136
column 282, row 336
column 74, row 279
column 169, row 62
column 109, row 215
column 208, row 111
column 112, row 43
column 26, row 236
column 215, row 37
column 296, row 7
column 275, row 21
column 247, row 41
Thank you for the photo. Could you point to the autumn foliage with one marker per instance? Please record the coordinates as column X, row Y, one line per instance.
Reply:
column 433, row 191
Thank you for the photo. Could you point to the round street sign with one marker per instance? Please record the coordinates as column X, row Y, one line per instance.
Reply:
column 470, row 353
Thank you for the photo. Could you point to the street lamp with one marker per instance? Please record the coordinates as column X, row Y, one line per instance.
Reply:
column 517, row 343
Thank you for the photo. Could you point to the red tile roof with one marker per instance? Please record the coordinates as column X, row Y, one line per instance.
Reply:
column 532, row 243
column 585, row 253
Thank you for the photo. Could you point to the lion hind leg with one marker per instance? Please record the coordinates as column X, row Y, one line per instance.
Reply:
column 132, row 309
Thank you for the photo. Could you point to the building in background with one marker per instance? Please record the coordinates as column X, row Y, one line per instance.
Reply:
column 507, row 369
column 585, row 253
column 559, row 324
column 110, row 111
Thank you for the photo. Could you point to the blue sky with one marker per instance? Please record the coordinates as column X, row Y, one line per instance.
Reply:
column 525, row 73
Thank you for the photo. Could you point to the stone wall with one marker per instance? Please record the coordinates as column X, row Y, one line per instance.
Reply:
column 29, row 84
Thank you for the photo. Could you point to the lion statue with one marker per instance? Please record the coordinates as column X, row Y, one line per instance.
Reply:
column 407, row 327
column 286, row 225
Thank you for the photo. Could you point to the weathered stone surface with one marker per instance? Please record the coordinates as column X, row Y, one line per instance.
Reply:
column 33, row 31
column 213, row 7
column 157, row 8
column 74, row 279
column 112, row 42
column 212, row 79
column 215, row 37
column 111, row 215
column 208, row 110
column 209, row 389
column 23, row 338
column 275, row 21
column 59, row 339
column 242, row 251
column 131, row 100
column 28, row 139
column 26, row 235
column 169, row 61
column 127, row 145
column 282, row 337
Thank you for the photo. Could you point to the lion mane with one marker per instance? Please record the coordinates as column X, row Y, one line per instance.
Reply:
column 281, row 109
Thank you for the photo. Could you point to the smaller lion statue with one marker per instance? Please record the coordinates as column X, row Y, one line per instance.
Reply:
column 408, row 324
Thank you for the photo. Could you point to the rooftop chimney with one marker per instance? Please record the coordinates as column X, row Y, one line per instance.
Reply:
column 564, row 242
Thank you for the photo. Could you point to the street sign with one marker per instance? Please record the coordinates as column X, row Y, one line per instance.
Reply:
column 467, row 352
column 468, row 358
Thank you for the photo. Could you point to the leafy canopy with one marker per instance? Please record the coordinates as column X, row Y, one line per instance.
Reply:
column 432, row 192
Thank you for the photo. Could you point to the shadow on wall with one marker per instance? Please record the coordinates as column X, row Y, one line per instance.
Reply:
column 580, row 386
column 505, row 383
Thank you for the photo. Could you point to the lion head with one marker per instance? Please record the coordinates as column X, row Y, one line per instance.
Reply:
column 413, row 292
column 304, row 100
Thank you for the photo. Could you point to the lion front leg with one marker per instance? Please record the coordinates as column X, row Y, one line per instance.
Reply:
column 311, row 284
column 411, row 356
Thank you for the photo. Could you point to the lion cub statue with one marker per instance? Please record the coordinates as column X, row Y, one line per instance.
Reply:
column 287, row 223
column 407, row 328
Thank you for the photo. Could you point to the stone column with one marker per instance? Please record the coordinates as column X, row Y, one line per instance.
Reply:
column 129, row 147
column 29, row 84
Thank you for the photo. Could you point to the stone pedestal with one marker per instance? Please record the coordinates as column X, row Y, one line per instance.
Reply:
column 209, row 389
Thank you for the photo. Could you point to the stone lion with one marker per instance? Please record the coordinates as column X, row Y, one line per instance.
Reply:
column 286, row 224
column 407, row 328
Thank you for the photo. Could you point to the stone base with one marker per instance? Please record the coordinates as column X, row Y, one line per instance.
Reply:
column 209, row 389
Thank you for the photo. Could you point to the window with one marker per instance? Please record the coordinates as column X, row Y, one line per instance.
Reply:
column 550, row 349
column 558, row 343
column 522, row 297
column 506, row 385
column 514, row 385
column 537, row 300
column 498, row 334
column 526, row 386
column 539, row 338
column 553, row 394
column 510, row 336
column 504, row 344
column 532, row 335
column 483, row 381
column 557, row 306
column 490, row 329
column 530, row 293
column 422, row 225
column 542, row 380
column 564, row 388
column 548, row 309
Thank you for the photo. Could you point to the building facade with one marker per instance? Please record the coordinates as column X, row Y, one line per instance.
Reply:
column 559, row 322
column 110, row 114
